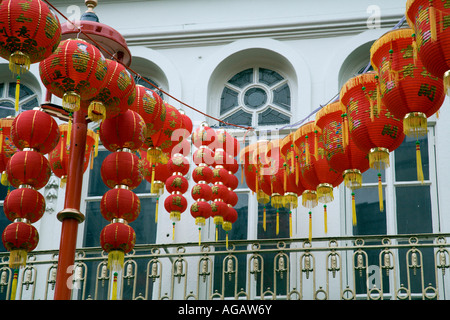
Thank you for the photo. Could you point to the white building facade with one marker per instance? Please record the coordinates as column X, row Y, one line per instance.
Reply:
column 269, row 65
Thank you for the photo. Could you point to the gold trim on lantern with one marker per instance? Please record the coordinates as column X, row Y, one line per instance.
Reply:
column 96, row 111
column 19, row 62
column 218, row 220
column 116, row 260
column 262, row 197
column 17, row 258
column 309, row 199
column 276, row 200
column 175, row 215
column 352, row 178
column 200, row 221
column 71, row 101
column 379, row 158
column 325, row 193
column 154, row 154
column 227, row 225
column 290, row 199
column 415, row 124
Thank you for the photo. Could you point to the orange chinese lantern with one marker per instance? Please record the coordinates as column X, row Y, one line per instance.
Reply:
column 121, row 168
column 431, row 36
column 375, row 135
column 75, row 71
column 120, row 203
column 30, row 33
column 407, row 89
column 28, row 168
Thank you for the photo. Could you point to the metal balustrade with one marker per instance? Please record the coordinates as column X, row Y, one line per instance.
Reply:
column 401, row 267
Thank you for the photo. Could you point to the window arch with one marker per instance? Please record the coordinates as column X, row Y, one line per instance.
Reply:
column 256, row 96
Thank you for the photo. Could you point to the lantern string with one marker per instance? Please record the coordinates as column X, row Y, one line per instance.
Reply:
column 137, row 74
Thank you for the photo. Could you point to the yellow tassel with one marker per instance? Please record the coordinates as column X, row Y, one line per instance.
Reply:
column 217, row 232
column 307, row 151
column 419, row 163
column 379, row 158
column 353, row 209
column 4, row 179
column 316, row 145
column 256, row 182
column 14, row 284
column 292, row 157
column 114, row 287
column 285, row 177
column 226, row 239
column 96, row 145
column 19, row 62
column 17, row 94
column 278, row 223
column 69, row 130
column 380, row 193
column 310, row 226
column 156, row 210
column 199, row 236
column 63, row 182
column 115, row 260
column 325, row 221
column 264, row 218
column 92, row 160
column 242, row 174
column 153, row 179
column 345, row 130
column 297, row 171
column 290, row 224
column 432, row 19
column 415, row 124
column 17, row 258
column 173, row 231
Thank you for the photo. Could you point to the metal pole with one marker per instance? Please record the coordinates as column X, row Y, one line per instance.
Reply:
column 71, row 216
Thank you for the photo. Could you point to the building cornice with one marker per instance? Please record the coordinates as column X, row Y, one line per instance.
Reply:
column 184, row 37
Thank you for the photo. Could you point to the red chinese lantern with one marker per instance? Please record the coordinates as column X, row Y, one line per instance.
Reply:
column 340, row 150
column 175, row 204
column 377, row 135
column 202, row 173
column 227, row 142
column 167, row 137
column 24, row 203
column 178, row 164
column 121, row 168
column 120, row 203
column 75, row 71
column 116, row 96
column 30, row 33
column 219, row 208
column 200, row 211
column 28, row 168
column 229, row 218
column 201, row 191
column 177, row 183
column 117, row 239
column 35, row 129
column 150, row 106
column 203, row 135
column 59, row 157
column 203, row 155
column 126, row 130
column 19, row 238
column 431, row 36
column 407, row 89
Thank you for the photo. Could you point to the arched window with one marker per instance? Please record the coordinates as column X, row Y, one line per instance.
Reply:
column 256, row 97
column 28, row 99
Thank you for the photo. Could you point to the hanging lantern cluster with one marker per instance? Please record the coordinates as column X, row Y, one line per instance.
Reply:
column 30, row 33
column 406, row 88
column 121, row 172
column 226, row 148
column 35, row 134
column 177, row 185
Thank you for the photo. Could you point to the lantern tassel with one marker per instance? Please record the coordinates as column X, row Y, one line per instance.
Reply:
column 353, row 209
column 14, row 284
column 19, row 62
column 199, row 236
column 325, row 221
column 156, row 209
column 264, row 218
column 69, row 129
column 316, row 146
column 310, row 226
column 242, row 174
column 290, row 224
column 380, row 193
column 226, row 239
column 152, row 179
column 173, row 231
column 71, row 101
column 17, row 94
column 278, row 222
column 96, row 111
column 63, row 182
column 432, row 19
column 217, row 232
column 419, row 163
column 114, row 287
column 115, row 259
column 307, row 151
column 17, row 258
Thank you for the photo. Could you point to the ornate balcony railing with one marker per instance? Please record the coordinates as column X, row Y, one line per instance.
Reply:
column 368, row 267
